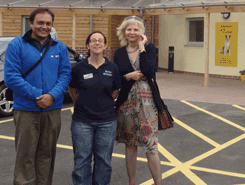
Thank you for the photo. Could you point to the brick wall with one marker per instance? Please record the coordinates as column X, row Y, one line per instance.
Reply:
column 109, row 52
column 82, row 51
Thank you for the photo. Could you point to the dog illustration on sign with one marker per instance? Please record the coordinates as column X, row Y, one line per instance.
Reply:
column 227, row 46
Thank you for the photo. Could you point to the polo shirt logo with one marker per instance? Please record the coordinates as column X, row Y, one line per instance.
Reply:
column 54, row 56
column 107, row 73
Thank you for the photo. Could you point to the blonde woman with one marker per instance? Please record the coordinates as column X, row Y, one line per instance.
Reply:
column 137, row 105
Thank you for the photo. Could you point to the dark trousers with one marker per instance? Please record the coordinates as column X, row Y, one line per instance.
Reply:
column 36, row 137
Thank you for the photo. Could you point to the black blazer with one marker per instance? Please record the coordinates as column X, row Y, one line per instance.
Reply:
column 147, row 67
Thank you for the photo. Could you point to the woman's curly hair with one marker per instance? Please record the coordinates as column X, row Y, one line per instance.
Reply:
column 121, row 29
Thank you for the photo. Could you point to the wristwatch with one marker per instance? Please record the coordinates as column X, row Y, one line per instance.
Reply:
column 143, row 50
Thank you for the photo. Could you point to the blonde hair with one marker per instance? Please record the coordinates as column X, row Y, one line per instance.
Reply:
column 121, row 29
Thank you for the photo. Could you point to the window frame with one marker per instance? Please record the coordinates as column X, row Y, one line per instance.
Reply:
column 24, row 18
column 194, row 43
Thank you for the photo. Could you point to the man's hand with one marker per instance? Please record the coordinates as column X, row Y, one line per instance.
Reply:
column 45, row 101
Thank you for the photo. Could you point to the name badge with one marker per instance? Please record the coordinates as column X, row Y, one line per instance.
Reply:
column 88, row 76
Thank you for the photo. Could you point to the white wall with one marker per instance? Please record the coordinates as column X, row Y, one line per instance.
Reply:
column 173, row 32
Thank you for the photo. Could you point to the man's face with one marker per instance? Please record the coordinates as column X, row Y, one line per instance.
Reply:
column 41, row 26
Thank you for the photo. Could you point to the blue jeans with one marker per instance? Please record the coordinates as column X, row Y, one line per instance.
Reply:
column 92, row 139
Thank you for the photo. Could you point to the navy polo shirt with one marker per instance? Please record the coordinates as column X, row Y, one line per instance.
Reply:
column 95, row 103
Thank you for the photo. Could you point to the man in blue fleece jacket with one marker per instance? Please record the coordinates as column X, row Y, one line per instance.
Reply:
column 37, row 98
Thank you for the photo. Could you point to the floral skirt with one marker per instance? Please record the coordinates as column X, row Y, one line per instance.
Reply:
column 137, row 118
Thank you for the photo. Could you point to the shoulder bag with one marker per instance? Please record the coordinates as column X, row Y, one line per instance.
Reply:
column 165, row 120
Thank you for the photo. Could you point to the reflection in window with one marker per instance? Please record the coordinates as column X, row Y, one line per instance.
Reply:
column 195, row 30
column 25, row 24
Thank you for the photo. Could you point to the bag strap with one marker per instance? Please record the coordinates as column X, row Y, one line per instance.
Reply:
column 157, row 92
column 39, row 61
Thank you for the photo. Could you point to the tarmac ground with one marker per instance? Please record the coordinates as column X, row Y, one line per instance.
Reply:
column 206, row 145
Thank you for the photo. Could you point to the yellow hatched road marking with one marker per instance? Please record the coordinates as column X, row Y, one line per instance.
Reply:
column 64, row 146
column 186, row 167
column 142, row 159
column 118, row 155
column 215, row 150
column 239, row 107
column 69, row 108
column 6, row 120
column 7, row 137
column 214, row 115
column 123, row 156
column 168, row 155
column 164, row 175
column 179, row 167
column 217, row 171
column 205, row 138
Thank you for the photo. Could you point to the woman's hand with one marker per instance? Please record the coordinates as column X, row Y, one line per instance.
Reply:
column 143, row 40
column 136, row 75
column 74, row 93
column 142, row 43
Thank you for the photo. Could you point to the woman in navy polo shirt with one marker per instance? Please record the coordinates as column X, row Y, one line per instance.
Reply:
column 94, row 86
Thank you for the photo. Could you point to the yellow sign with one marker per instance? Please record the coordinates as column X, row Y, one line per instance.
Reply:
column 226, row 44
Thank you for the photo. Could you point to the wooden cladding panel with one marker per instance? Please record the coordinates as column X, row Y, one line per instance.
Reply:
column 17, row 11
column 156, row 30
column 148, row 26
column 100, row 23
column 64, row 26
column 82, row 29
column 116, row 20
column 63, row 23
column 12, row 21
column 11, row 24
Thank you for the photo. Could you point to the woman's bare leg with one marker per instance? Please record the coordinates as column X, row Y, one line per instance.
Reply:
column 131, row 159
column 155, row 167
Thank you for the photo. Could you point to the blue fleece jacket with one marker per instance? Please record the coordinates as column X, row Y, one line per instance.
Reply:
column 51, row 76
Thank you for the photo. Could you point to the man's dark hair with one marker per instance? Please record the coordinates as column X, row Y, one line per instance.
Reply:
column 40, row 10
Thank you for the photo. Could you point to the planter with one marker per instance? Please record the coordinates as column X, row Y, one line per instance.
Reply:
column 243, row 77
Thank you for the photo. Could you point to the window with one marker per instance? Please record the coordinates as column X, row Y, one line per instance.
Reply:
column 25, row 24
column 195, row 31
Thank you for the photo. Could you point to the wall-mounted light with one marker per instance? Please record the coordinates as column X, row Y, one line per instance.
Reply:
column 225, row 15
